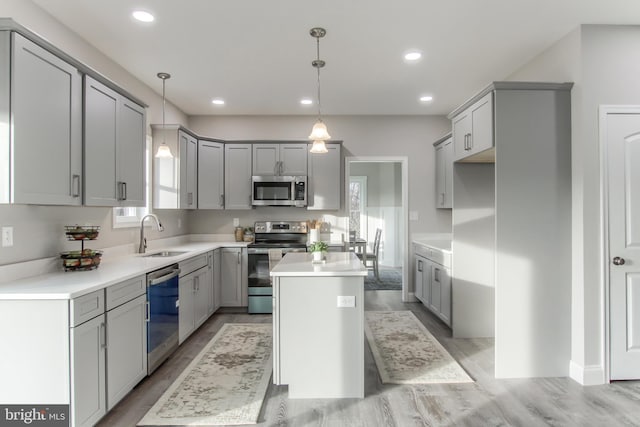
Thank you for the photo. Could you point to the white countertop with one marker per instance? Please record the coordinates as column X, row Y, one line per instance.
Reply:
column 336, row 264
column 439, row 244
column 112, row 269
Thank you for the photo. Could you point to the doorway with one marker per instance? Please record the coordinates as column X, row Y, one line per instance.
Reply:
column 380, row 189
column 620, row 134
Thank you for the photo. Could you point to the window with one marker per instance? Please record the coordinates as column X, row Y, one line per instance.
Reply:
column 129, row 216
column 357, row 205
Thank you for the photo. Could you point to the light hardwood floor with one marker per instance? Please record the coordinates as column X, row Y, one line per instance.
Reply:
column 486, row 402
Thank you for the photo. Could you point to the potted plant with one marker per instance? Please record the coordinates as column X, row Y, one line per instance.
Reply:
column 318, row 249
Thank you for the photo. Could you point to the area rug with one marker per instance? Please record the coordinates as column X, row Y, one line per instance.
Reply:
column 390, row 280
column 406, row 353
column 225, row 384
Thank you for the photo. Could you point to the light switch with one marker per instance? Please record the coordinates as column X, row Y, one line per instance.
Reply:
column 346, row 300
column 413, row 216
column 236, row 222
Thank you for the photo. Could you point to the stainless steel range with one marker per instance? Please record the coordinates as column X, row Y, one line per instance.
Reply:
column 284, row 236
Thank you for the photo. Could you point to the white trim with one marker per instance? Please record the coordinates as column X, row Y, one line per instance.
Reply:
column 590, row 371
column 587, row 375
column 404, row 163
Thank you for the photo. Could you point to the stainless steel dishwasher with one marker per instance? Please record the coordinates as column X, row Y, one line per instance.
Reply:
column 162, row 315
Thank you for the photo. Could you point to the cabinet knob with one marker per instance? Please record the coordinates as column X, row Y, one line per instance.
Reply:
column 618, row 261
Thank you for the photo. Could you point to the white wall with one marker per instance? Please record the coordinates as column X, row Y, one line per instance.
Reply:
column 410, row 136
column 603, row 61
column 38, row 230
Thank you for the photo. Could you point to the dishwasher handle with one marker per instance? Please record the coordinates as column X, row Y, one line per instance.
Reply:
column 164, row 278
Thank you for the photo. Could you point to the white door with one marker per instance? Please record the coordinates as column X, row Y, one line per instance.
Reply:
column 623, row 151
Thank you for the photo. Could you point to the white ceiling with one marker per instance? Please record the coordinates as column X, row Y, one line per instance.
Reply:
column 256, row 54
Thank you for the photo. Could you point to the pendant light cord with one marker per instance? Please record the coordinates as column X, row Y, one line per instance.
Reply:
column 318, row 68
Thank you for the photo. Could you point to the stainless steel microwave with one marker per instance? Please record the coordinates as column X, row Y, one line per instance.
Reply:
column 279, row 191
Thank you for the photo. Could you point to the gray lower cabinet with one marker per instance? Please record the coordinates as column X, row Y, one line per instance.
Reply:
column 114, row 144
column 213, row 281
column 210, row 174
column 233, row 267
column 42, row 156
column 193, row 294
column 126, row 337
column 237, row 176
column 432, row 281
column 325, row 179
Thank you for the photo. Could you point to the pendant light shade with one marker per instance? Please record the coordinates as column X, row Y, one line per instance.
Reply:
column 318, row 147
column 319, row 133
column 164, row 152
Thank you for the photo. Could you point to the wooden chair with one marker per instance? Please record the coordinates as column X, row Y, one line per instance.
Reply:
column 370, row 259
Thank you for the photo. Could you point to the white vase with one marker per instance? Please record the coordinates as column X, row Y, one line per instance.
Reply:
column 313, row 235
column 317, row 256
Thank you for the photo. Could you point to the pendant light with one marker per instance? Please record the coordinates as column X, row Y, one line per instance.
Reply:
column 164, row 152
column 319, row 133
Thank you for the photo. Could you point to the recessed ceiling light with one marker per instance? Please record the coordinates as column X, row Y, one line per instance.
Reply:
column 306, row 101
column 217, row 101
column 426, row 98
column 143, row 16
column 412, row 56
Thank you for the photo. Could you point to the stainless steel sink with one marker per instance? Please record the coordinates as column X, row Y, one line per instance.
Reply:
column 164, row 254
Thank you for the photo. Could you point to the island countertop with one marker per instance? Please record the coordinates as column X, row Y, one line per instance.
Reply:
column 336, row 264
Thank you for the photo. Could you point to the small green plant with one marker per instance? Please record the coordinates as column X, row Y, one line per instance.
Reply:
column 318, row 247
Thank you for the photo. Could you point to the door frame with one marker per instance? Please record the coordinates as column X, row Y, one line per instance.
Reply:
column 604, row 111
column 404, row 165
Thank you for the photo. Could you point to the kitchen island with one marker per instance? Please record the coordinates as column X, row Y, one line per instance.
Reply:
column 318, row 325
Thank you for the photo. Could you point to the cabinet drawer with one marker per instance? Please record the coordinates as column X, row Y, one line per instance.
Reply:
column 125, row 291
column 87, row 307
column 192, row 264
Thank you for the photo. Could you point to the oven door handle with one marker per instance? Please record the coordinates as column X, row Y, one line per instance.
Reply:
column 164, row 278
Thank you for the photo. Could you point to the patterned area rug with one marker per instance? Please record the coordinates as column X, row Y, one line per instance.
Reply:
column 225, row 384
column 390, row 280
column 406, row 353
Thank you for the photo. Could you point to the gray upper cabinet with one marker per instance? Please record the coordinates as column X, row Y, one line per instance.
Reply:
column 175, row 179
column 237, row 176
column 325, row 179
column 280, row 159
column 114, row 137
column 210, row 175
column 473, row 132
column 41, row 95
column 188, row 170
column 444, row 172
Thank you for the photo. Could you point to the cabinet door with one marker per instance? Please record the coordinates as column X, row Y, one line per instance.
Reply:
column 436, row 288
column 237, row 176
column 210, row 175
column 186, row 317
column 445, row 296
column 131, row 153
column 231, row 277
column 46, row 110
column 202, row 293
column 88, row 400
column 211, row 301
column 217, row 285
column 100, row 139
column 266, row 158
column 461, row 125
column 418, row 278
column 444, row 174
column 426, row 282
column 325, row 179
column 126, row 348
column 188, row 170
column 482, row 124
column 293, row 159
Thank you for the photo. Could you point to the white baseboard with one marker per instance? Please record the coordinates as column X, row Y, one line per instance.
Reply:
column 586, row 375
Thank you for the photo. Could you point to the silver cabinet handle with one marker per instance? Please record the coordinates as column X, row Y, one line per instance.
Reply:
column 238, row 257
column 618, row 261
column 147, row 316
column 124, row 191
column 470, row 141
column 189, row 198
column 442, row 197
column 436, row 275
column 221, row 200
column 103, row 335
column 75, row 186
column 419, row 265
column 281, row 167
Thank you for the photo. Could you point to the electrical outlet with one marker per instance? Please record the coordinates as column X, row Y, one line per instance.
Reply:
column 346, row 301
column 236, row 222
column 7, row 237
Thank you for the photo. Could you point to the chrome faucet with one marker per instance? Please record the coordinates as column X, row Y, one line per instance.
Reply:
column 143, row 240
